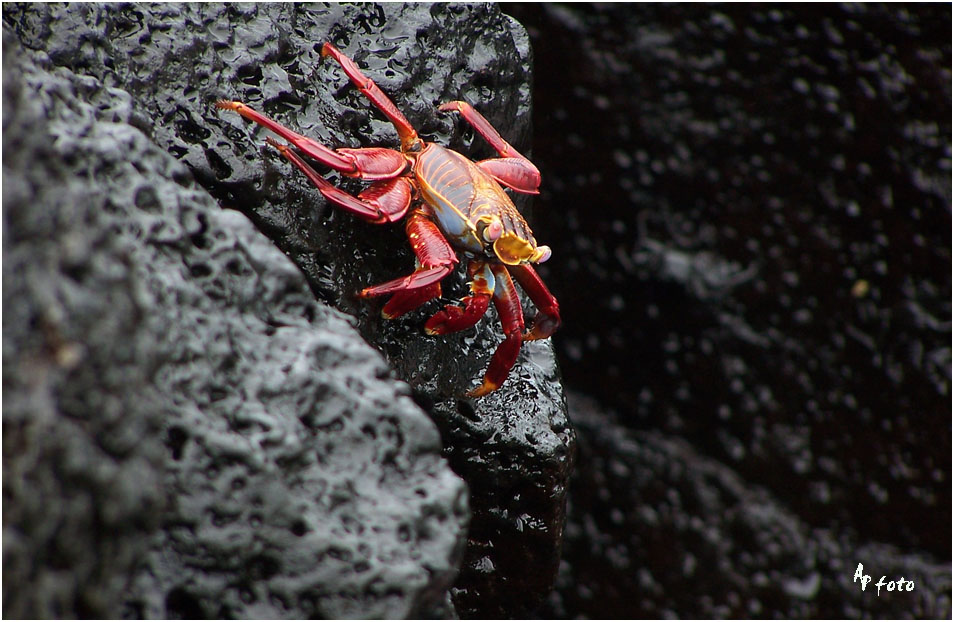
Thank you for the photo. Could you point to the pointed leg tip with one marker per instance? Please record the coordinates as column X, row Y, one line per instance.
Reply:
column 389, row 312
column 224, row 104
column 483, row 389
column 282, row 148
column 543, row 326
column 435, row 325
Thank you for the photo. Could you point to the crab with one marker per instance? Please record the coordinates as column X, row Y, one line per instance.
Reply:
column 452, row 206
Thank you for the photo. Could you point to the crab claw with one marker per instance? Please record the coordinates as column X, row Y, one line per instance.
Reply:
column 453, row 318
column 547, row 320
column 543, row 326
column 543, row 253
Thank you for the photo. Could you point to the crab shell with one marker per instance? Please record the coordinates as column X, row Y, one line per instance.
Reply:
column 472, row 210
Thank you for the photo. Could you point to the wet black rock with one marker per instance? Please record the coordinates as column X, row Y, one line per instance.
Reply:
column 757, row 201
column 657, row 530
column 514, row 448
column 517, row 468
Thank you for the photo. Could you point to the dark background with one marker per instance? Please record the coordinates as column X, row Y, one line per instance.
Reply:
column 749, row 208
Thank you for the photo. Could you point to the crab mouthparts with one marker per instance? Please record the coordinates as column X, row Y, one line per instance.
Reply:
column 512, row 250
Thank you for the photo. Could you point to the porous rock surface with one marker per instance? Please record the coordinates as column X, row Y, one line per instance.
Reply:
column 186, row 432
column 514, row 448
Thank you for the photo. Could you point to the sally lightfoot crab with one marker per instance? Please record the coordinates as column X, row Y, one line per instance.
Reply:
column 452, row 205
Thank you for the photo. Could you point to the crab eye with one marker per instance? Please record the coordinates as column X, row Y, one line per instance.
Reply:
column 493, row 231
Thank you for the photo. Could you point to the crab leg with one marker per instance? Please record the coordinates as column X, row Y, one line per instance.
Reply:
column 511, row 317
column 547, row 320
column 371, row 90
column 369, row 163
column 511, row 169
column 434, row 253
column 408, row 300
column 453, row 318
column 383, row 201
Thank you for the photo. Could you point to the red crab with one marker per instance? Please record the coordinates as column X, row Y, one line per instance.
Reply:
column 453, row 205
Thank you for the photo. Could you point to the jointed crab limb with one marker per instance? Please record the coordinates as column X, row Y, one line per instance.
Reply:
column 383, row 201
column 408, row 300
column 422, row 277
column 391, row 198
column 346, row 163
column 371, row 90
column 453, row 318
column 516, row 173
column 434, row 254
column 369, row 163
column 375, row 163
column 511, row 317
column 511, row 169
column 483, row 127
column 547, row 320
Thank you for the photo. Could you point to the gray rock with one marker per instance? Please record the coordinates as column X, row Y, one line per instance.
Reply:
column 187, row 432
column 514, row 448
column 82, row 443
